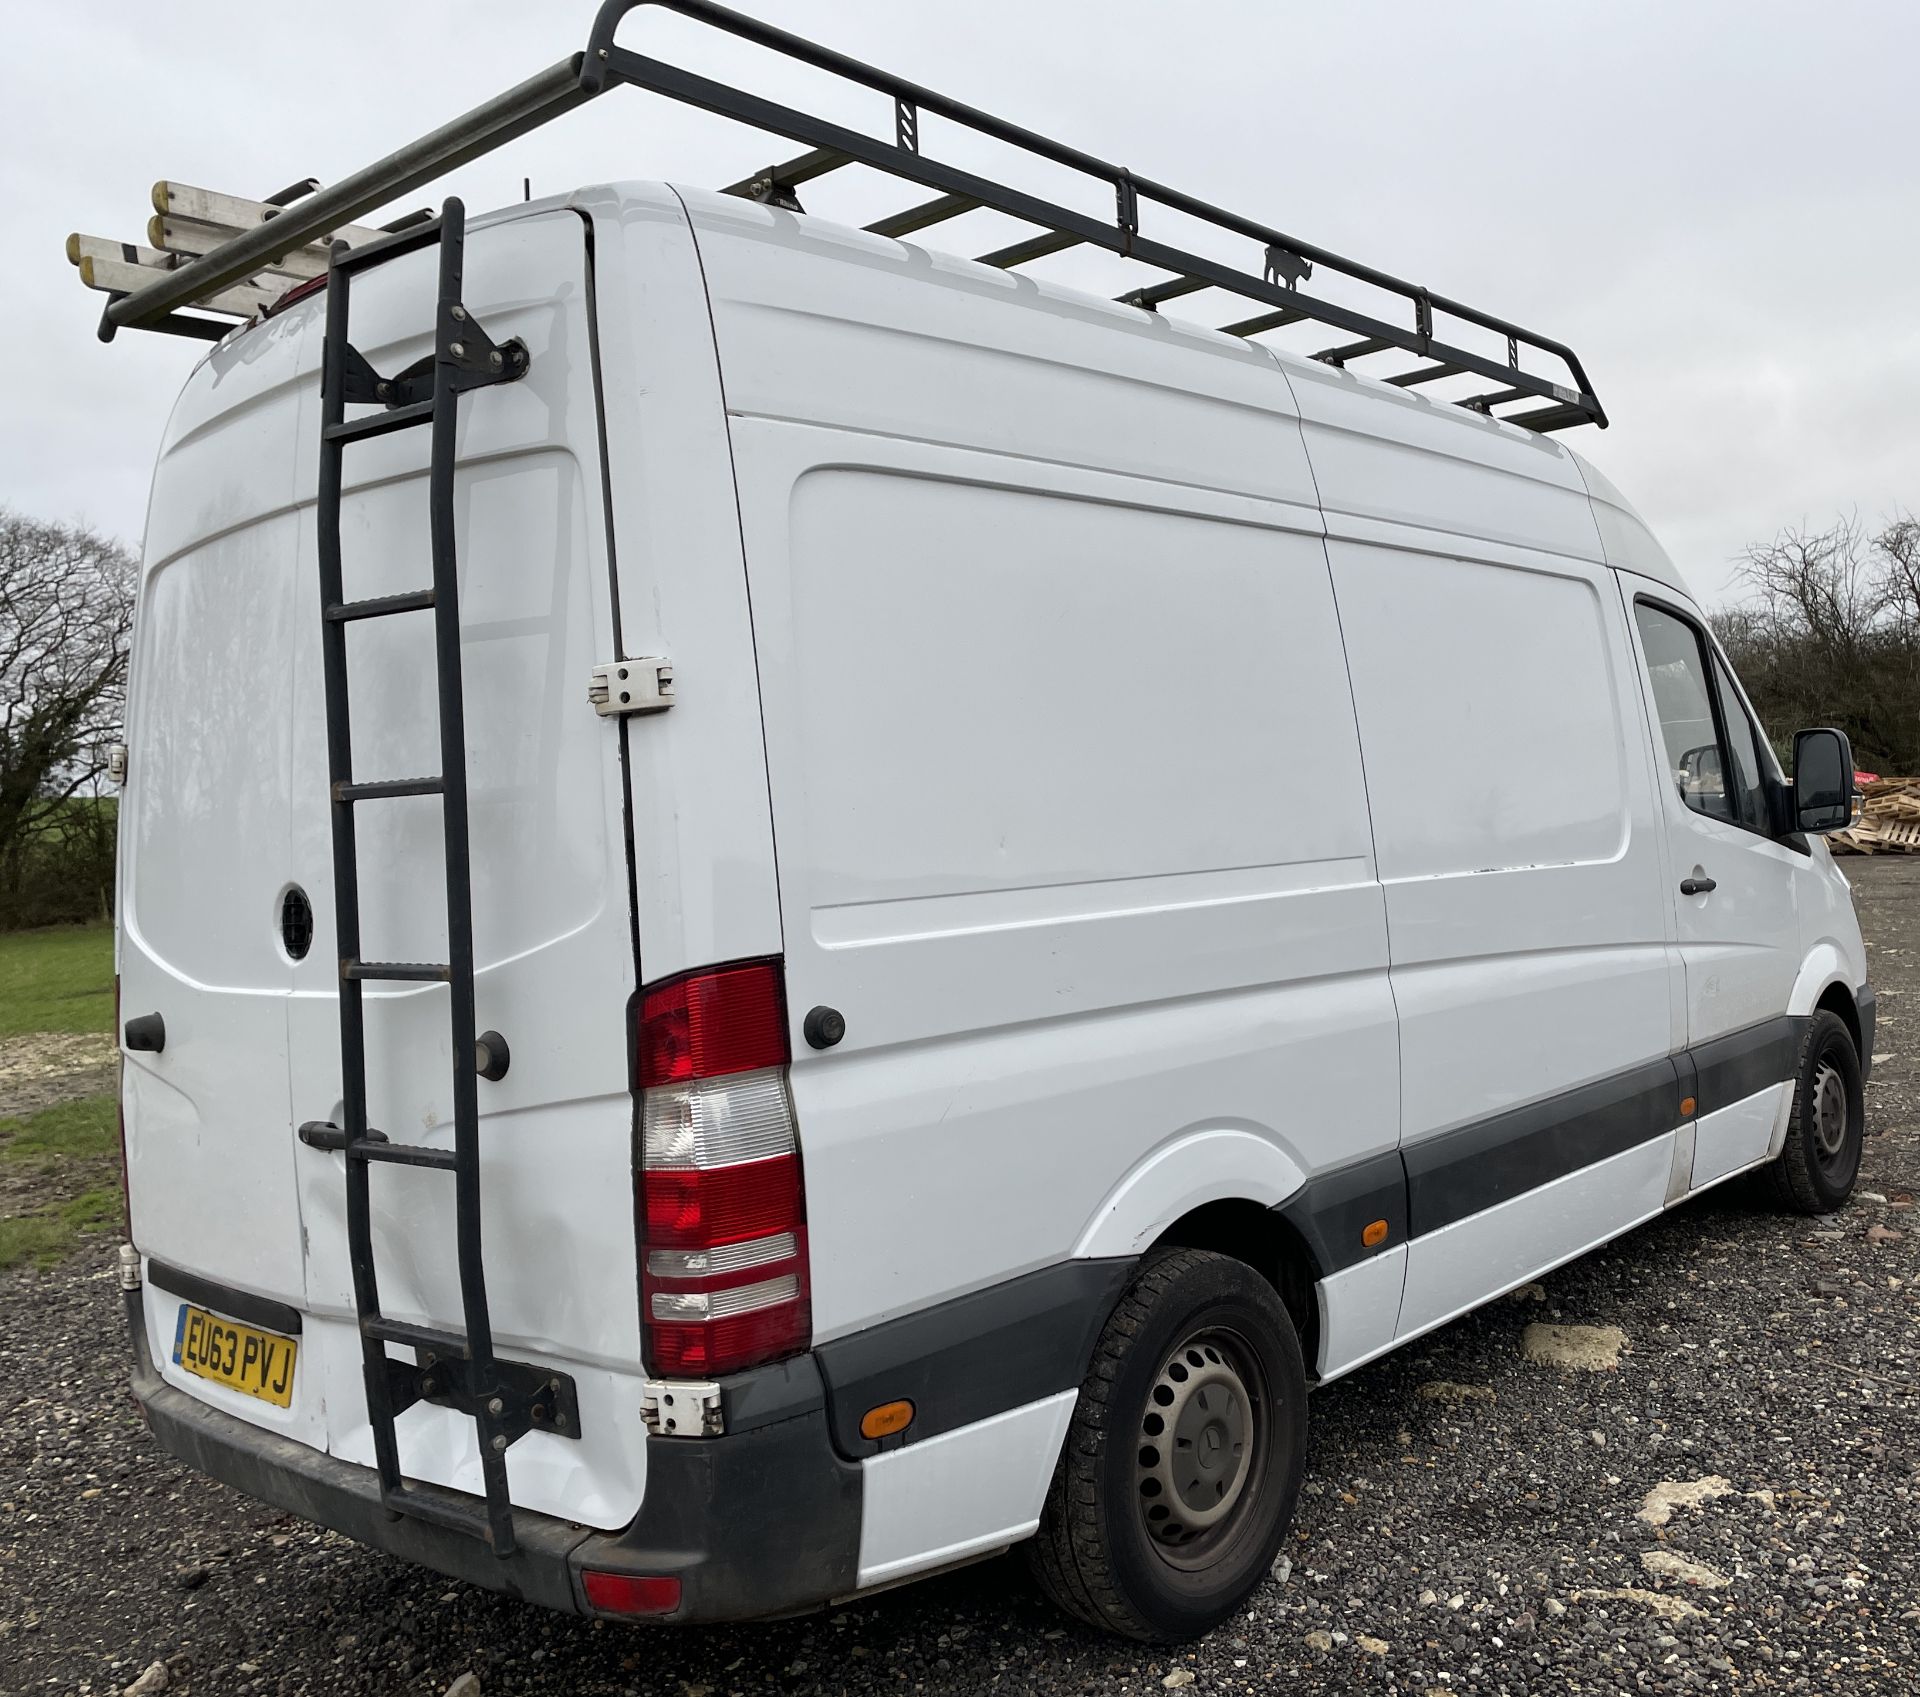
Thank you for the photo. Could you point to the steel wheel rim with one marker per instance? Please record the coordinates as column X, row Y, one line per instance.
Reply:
column 1199, row 1451
column 1832, row 1113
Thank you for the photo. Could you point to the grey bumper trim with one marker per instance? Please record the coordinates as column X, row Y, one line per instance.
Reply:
column 763, row 1521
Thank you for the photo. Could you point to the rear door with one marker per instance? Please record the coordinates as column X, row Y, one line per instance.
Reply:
column 204, row 832
column 1735, row 888
column 551, row 898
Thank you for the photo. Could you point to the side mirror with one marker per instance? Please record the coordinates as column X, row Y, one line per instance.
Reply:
column 1822, row 781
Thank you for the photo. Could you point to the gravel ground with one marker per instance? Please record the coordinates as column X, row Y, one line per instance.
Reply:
column 1475, row 1521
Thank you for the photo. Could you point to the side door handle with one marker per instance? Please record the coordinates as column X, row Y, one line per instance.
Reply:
column 1697, row 886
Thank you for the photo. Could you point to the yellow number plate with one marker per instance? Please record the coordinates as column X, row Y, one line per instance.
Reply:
column 243, row 1358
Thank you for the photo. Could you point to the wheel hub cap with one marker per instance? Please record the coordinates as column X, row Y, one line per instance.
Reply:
column 1829, row 1111
column 1195, row 1442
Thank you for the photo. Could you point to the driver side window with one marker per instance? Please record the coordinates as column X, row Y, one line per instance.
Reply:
column 1745, row 780
column 1697, row 758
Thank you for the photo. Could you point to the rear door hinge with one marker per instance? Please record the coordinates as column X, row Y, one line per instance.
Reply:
column 631, row 686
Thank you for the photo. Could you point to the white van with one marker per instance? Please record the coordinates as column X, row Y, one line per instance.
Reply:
column 999, row 882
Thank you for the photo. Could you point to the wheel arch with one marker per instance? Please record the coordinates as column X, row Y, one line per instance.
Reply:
column 1218, row 1188
column 1824, row 982
column 1268, row 1242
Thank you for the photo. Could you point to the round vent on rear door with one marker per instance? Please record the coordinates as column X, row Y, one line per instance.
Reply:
column 296, row 922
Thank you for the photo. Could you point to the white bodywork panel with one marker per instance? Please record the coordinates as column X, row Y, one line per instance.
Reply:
column 1054, row 868
column 1531, row 932
column 1359, row 1310
column 1739, row 1135
column 960, row 1494
column 1460, row 1266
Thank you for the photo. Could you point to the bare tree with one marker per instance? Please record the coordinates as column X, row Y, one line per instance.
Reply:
column 66, row 611
column 1898, row 550
column 1831, row 634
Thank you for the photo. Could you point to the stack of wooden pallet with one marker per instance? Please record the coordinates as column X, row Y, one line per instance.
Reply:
column 1890, row 820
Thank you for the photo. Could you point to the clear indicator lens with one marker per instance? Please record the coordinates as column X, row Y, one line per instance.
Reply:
column 718, row 1124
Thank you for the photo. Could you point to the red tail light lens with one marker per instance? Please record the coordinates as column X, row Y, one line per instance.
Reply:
column 706, row 1208
column 708, row 1024
column 630, row 1593
column 724, row 1281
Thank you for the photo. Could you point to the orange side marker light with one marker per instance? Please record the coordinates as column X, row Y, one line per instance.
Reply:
column 1687, row 1105
column 1375, row 1234
column 888, row 1418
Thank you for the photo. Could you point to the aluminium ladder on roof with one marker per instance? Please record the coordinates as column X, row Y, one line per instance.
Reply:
column 1419, row 329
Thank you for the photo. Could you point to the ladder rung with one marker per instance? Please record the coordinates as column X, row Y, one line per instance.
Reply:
column 1153, row 294
column 1262, row 321
column 399, row 971
column 436, row 1339
column 1034, row 247
column 380, row 423
column 1498, row 398
column 1425, row 374
column 775, row 178
column 456, row 1517
column 1351, row 350
column 379, row 606
column 405, row 1155
column 1550, row 418
column 387, row 787
column 919, row 217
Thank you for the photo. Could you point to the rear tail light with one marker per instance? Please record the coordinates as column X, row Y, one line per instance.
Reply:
column 723, row 1232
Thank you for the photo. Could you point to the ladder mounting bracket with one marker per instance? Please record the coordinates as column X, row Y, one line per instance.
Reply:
column 528, row 1399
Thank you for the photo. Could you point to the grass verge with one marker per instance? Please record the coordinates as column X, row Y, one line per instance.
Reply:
column 66, row 1153
column 50, row 1234
column 59, row 979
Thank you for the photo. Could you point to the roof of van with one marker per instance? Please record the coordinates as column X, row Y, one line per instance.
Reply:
column 1343, row 413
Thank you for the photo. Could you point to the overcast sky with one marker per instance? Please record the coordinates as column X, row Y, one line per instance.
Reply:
column 1716, row 205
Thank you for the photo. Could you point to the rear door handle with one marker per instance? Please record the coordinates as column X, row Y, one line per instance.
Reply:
column 1697, row 886
column 146, row 1032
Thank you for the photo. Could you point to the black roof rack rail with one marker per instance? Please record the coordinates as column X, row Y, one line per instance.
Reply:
column 1417, row 323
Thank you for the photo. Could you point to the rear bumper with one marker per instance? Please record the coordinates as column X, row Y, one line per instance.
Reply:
column 763, row 1521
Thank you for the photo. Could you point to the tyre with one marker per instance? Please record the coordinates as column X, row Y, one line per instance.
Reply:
column 1814, row 1172
column 1182, row 1464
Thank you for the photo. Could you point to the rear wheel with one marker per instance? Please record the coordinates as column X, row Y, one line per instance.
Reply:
column 1815, row 1170
column 1183, row 1462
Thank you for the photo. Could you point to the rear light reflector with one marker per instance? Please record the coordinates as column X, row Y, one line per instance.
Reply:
column 722, row 1209
column 630, row 1593
column 729, row 1258
column 724, row 1304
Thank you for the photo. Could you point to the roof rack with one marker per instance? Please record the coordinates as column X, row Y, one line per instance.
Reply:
column 267, row 256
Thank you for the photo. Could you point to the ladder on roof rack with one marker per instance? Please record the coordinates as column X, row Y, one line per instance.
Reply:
column 1418, row 326
column 505, row 1399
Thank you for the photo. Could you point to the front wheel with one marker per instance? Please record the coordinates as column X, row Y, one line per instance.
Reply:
column 1182, row 1464
column 1814, row 1172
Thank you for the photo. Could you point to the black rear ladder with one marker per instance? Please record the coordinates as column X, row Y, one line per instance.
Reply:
column 457, row 1368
